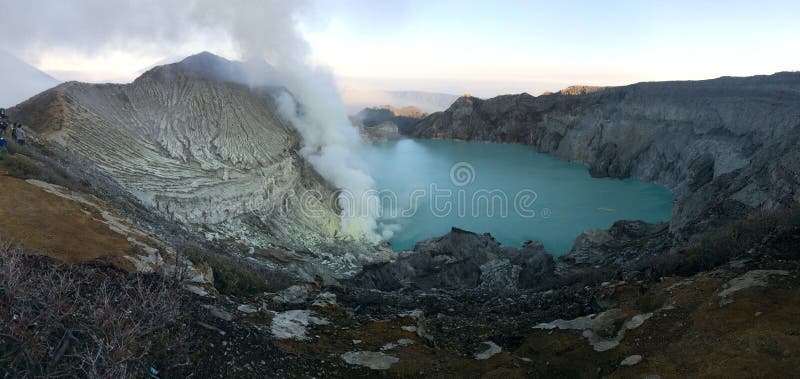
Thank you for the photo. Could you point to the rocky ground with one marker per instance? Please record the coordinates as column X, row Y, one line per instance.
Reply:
column 737, row 320
column 387, row 122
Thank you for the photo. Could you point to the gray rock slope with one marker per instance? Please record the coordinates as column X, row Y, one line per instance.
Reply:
column 201, row 149
column 723, row 146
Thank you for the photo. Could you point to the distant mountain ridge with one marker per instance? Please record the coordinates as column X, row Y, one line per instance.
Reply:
column 407, row 111
column 372, row 116
column 421, row 99
column 427, row 102
column 19, row 80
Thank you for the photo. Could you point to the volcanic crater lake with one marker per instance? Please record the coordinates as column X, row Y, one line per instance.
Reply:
column 511, row 191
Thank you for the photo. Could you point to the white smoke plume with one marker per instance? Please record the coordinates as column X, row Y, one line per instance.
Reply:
column 329, row 139
column 260, row 30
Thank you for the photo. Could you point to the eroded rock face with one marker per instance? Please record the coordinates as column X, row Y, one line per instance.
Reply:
column 722, row 146
column 621, row 247
column 204, row 151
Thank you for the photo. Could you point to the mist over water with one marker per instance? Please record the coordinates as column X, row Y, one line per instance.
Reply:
column 546, row 199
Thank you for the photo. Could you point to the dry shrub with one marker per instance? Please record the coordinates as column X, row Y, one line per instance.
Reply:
column 86, row 320
column 767, row 233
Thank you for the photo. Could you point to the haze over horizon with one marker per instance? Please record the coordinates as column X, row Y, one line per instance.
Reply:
column 446, row 46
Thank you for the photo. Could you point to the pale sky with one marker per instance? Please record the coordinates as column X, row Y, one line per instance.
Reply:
column 488, row 47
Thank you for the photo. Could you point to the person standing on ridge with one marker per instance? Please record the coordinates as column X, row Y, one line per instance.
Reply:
column 20, row 135
column 13, row 131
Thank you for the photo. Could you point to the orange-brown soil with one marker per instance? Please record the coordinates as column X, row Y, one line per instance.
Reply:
column 56, row 226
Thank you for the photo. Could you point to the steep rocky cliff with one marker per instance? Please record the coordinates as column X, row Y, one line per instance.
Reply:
column 403, row 118
column 198, row 147
column 723, row 146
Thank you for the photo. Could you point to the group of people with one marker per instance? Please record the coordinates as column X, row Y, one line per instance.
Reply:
column 17, row 134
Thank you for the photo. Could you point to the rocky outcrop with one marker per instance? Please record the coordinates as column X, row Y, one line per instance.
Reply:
column 387, row 116
column 621, row 248
column 461, row 260
column 386, row 131
column 723, row 146
column 209, row 153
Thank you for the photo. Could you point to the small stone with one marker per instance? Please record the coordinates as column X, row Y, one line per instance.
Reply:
column 296, row 294
column 371, row 359
column 400, row 342
column 490, row 349
column 218, row 313
column 325, row 299
column 244, row 308
column 409, row 328
column 293, row 324
column 415, row 314
column 632, row 360
column 197, row 290
column 211, row 327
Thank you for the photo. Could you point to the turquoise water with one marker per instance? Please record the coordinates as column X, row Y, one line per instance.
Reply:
column 510, row 191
